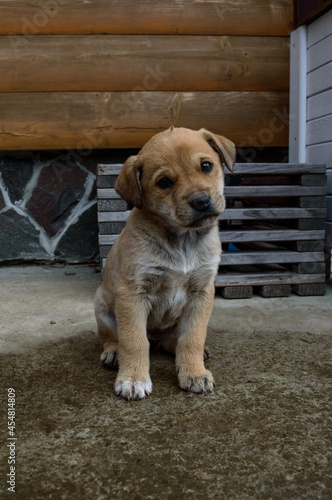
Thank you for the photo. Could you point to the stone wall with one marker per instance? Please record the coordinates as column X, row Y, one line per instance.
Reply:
column 48, row 205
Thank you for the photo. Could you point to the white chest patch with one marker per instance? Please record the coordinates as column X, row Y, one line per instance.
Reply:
column 168, row 299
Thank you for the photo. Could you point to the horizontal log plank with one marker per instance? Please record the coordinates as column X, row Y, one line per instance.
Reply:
column 236, row 213
column 126, row 62
column 253, row 17
column 243, row 168
column 90, row 120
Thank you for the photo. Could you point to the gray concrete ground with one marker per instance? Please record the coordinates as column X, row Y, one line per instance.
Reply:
column 263, row 434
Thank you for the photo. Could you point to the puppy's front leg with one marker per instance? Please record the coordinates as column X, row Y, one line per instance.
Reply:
column 133, row 381
column 192, row 373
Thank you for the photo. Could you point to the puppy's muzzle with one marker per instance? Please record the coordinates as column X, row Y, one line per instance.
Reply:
column 203, row 208
column 201, row 204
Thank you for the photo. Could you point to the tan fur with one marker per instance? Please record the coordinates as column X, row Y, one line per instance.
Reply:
column 159, row 276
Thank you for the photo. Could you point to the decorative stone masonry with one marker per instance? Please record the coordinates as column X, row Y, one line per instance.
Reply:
column 48, row 205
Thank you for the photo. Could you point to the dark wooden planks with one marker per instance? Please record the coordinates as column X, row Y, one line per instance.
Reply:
column 253, row 17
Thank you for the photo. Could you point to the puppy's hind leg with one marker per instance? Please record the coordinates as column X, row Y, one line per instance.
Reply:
column 107, row 331
column 170, row 342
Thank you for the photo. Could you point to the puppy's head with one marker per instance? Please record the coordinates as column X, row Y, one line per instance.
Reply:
column 178, row 177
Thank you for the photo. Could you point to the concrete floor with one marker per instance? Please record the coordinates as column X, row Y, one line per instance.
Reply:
column 263, row 434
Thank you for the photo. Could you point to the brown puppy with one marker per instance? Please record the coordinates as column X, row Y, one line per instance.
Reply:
column 159, row 276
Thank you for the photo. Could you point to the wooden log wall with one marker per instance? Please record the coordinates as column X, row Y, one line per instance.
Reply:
column 85, row 74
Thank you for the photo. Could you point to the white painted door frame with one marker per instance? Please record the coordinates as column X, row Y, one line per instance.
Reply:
column 298, row 95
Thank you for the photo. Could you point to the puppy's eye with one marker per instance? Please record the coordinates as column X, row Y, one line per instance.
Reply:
column 165, row 183
column 206, row 167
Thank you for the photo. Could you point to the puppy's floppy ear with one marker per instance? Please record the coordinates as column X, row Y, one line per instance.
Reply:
column 128, row 184
column 224, row 147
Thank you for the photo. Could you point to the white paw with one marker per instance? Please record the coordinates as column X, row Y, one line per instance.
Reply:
column 133, row 391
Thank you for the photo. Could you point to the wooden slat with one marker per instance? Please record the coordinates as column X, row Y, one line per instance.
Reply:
column 270, row 235
column 109, row 168
column 237, row 214
column 249, row 191
column 253, row 17
column 244, row 168
column 280, row 191
column 87, row 120
column 257, row 279
column 125, row 62
column 113, row 216
column 241, row 236
column 270, row 257
column 107, row 239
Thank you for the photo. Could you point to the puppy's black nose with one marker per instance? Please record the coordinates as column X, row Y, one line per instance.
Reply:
column 201, row 204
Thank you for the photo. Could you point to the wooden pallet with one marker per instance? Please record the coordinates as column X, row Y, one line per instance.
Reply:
column 272, row 230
